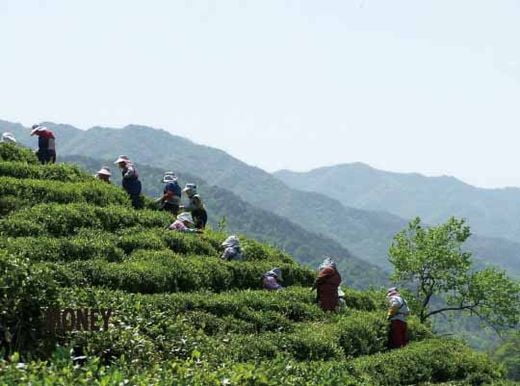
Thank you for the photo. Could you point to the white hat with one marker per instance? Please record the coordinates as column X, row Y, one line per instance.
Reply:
column 277, row 272
column 392, row 291
column 122, row 158
column 104, row 171
column 327, row 262
column 190, row 188
column 8, row 137
column 36, row 128
column 169, row 177
column 185, row 216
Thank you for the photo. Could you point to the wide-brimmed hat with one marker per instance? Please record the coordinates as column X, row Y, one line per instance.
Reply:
column 392, row 291
column 122, row 158
column 169, row 177
column 104, row 171
column 327, row 262
column 36, row 128
column 185, row 216
column 190, row 188
column 8, row 137
column 276, row 272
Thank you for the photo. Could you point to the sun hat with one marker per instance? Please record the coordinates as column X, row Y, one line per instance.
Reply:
column 104, row 171
column 36, row 128
column 8, row 137
column 190, row 188
column 327, row 262
column 276, row 272
column 392, row 291
column 122, row 158
column 169, row 177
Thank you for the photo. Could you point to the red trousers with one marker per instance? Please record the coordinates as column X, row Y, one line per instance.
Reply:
column 398, row 334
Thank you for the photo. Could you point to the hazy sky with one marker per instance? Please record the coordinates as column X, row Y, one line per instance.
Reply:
column 431, row 86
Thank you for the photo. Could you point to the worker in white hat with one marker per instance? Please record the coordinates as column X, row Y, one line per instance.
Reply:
column 397, row 313
column 171, row 199
column 130, row 182
column 195, row 206
column 104, row 174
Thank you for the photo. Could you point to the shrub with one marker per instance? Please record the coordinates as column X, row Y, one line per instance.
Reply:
column 24, row 290
column 83, row 247
column 56, row 172
column 12, row 152
column 40, row 191
column 68, row 219
column 428, row 361
column 163, row 271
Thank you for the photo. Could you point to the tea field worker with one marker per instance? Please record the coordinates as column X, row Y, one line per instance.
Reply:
column 397, row 312
column 46, row 144
column 184, row 223
column 271, row 280
column 171, row 198
column 232, row 249
column 195, row 206
column 8, row 138
column 104, row 174
column 130, row 182
column 327, row 283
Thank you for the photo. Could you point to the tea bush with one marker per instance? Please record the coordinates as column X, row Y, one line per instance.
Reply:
column 12, row 152
column 68, row 219
column 156, row 271
column 451, row 359
column 39, row 191
column 54, row 172
column 64, row 248
column 24, row 290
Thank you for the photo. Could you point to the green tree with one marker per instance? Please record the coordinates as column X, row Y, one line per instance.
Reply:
column 432, row 262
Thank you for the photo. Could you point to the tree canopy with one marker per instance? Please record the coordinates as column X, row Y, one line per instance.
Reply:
column 432, row 262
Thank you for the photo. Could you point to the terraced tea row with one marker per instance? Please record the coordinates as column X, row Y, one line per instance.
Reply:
column 429, row 361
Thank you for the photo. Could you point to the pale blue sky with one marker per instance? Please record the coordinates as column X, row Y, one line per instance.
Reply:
column 431, row 86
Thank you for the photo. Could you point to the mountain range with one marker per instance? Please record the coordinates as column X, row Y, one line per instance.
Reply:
column 312, row 204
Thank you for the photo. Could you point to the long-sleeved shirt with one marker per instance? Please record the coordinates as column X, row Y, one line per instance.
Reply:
column 397, row 308
column 46, row 139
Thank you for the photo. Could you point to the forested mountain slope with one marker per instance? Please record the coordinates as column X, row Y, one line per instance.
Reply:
column 178, row 313
column 492, row 212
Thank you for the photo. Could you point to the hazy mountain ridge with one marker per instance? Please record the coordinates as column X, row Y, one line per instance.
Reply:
column 492, row 212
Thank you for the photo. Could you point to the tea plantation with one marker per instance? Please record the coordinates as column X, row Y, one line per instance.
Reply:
column 180, row 315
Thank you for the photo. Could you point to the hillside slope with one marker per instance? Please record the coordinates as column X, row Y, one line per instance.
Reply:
column 308, row 248
column 364, row 233
column 178, row 314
